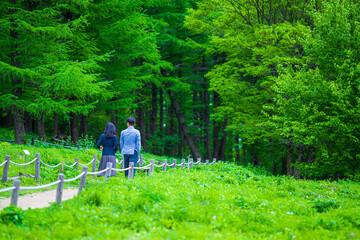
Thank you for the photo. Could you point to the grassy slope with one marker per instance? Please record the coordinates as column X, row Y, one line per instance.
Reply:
column 221, row 201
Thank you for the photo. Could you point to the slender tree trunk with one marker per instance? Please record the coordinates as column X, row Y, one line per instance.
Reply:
column 17, row 90
column 180, row 146
column 55, row 124
column 161, row 105
column 83, row 125
column 141, row 125
column 154, row 109
column 114, row 120
column 223, row 141
column 74, row 127
column 194, row 151
column 196, row 117
column 237, row 149
column 40, row 126
column 290, row 155
column 216, row 129
column 28, row 122
column 9, row 118
column 300, row 149
column 207, row 140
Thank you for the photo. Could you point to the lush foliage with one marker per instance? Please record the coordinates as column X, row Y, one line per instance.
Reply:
column 208, row 202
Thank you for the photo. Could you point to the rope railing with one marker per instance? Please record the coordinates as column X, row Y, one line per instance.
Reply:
column 2, row 164
column 61, row 180
column 75, row 178
column 86, row 164
column 22, row 164
column 50, row 165
column 40, row 187
column 60, row 185
column 69, row 165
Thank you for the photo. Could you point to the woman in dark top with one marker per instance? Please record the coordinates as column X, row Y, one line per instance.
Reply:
column 109, row 147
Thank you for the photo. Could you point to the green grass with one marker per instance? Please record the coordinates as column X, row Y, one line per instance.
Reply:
column 221, row 201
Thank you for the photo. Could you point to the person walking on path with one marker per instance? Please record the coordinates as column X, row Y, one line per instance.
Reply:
column 109, row 147
column 130, row 144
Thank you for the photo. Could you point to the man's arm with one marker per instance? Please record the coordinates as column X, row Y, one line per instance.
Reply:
column 138, row 142
column 121, row 141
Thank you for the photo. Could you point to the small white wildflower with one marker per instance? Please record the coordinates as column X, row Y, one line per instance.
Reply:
column 288, row 212
column 294, row 236
column 292, row 213
column 214, row 217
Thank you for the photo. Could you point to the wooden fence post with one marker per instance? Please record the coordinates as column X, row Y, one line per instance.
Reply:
column 191, row 164
column 164, row 167
column 214, row 160
column 61, row 166
column 151, row 169
column 140, row 161
column 108, row 172
column 15, row 193
column 122, row 163
column 198, row 161
column 131, row 170
column 182, row 163
column 77, row 164
column 37, row 166
column 60, row 187
column 6, row 168
column 93, row 167
column 174, row 163
column 82, row 179
column 207, row 162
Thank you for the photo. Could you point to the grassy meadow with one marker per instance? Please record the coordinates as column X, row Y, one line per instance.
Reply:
column 221, row 201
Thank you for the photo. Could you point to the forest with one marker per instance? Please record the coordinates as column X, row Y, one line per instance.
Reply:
column 271, row 83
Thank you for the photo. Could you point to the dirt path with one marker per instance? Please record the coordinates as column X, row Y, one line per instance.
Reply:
column 40, row 199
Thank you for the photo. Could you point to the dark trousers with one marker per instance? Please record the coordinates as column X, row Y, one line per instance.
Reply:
column 128, row 158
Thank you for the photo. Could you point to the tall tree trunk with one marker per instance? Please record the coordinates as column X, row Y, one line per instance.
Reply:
column 206, row 115
column 114, row 120
column 17, row 90
column 141, row 125
column 9, row 118
column 223, row 141
column 300, row 149
column 40, row 126
column 83, row 125
column 216, row 129
column 74, row 127
column 28, row 122
column 196, row 117
column 290, row 155
column 194, row 151
column 161, row 105
column 153, row 123
column 180, row 146
column 55, row 125
column 237, row 149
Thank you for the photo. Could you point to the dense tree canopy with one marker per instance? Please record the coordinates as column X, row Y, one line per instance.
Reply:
column 271, row 83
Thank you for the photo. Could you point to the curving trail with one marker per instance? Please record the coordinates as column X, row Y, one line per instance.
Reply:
column 40, row 199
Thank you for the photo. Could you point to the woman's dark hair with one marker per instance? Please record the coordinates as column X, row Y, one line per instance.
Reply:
column 110, row 130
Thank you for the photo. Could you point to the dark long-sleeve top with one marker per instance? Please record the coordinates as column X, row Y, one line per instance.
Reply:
column 110, row 145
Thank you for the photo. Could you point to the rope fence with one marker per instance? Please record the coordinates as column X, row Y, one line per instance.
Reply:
column 15, row 189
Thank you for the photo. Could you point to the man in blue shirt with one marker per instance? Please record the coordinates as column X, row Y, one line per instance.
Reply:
column 130, row 144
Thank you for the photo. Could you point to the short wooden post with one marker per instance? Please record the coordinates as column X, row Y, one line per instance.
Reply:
column 182, row 163
column 37, row 166
column 108, row 172
column 60, row 187
column 198, row 161
column 15, row 193
column 141, row 159
column 6, row 168
column 207, row 162
column 122, row 163
column 151, row 169
column 61, row 166
column 93, row 167
column 214, row 160
column 174, row 163
column 191, row 164
column 77, row 164
column 159, row 161
column 164, row 166
column 83, row 179
column 131, row 170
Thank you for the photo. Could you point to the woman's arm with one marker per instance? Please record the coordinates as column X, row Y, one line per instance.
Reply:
column 99, row 142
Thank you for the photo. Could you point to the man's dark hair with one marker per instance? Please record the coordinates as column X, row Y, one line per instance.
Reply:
column 131, row 121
